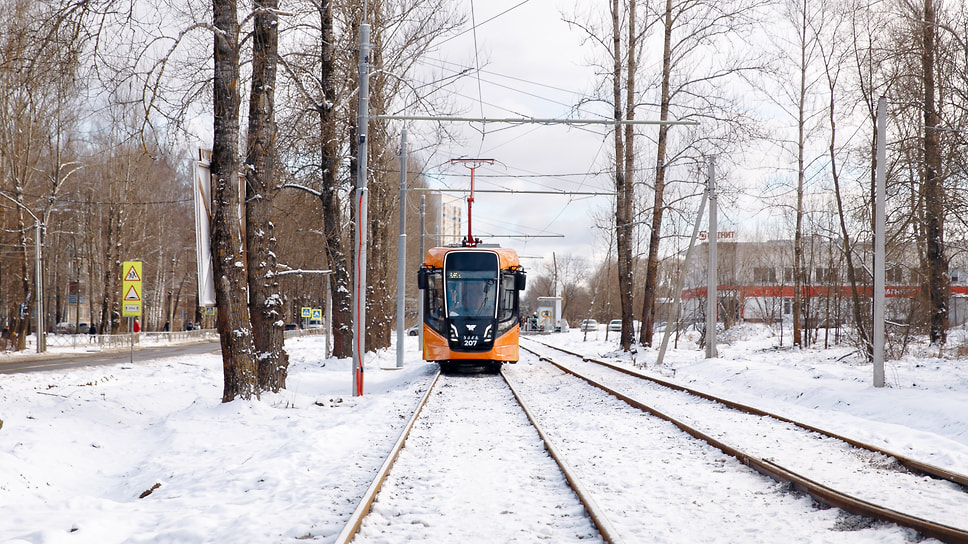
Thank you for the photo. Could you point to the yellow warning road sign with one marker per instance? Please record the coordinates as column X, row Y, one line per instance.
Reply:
column 134, row 271
column 131, row 289
column 132, row 295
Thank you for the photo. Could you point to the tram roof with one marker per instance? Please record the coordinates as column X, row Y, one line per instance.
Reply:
column 507, row 258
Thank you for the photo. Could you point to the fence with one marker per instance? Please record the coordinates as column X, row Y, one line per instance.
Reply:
column 107, row 341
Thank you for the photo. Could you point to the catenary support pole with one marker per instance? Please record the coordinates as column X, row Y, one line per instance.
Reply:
column 712, row 295
column 39, row 286
column 877, row 335
column 420, row 311
column 402, row 251
column 673, row 315
column 359, row 268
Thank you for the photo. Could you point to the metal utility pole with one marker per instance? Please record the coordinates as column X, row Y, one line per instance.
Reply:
column 877, row 335
column 711, row 280
column 38, row 274
column 402, row 250
column 420, row 312
column 673, row 315
column 359, row 270
column 472, row 164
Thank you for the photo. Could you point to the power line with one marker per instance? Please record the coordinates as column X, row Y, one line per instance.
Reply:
column 529, row 120
column 513, row 191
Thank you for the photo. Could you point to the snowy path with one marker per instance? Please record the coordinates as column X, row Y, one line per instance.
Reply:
column 474, row 470
column 866, row 475
column 657, row 483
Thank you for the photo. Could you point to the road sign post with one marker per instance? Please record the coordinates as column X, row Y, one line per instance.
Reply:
column 131, row 299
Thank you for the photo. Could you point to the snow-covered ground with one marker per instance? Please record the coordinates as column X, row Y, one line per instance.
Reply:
column 81, row 449
column 919, row 413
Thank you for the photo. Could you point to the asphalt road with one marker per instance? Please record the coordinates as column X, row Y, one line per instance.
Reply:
column 59, row 361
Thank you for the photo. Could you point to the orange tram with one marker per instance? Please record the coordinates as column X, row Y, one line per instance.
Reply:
column 471, row 298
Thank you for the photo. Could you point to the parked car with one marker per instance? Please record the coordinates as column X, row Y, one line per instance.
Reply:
column 64, row 327
column 290, row 327
column 83, row 328
column 588, row 325
column 414, row 330
column 615, row 325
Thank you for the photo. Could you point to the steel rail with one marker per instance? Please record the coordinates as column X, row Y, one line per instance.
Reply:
column 366, row 502
column 597, row 514
column 818, row 491
column 910, row 463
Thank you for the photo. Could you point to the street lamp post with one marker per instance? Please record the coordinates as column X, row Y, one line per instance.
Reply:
column 38, row 274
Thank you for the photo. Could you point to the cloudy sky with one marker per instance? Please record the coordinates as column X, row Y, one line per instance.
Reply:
column 532, row 65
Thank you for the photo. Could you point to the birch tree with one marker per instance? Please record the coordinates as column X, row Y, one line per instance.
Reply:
column 39, row 66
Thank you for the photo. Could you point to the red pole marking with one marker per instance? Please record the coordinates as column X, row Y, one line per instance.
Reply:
column 359, row 303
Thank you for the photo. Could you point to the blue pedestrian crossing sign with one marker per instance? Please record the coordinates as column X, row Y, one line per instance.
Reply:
column 306, row 311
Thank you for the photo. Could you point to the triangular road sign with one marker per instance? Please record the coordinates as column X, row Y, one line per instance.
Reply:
column 132, row 275
column 132, row 294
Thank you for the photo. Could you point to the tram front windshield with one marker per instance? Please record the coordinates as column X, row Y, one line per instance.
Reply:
column 471, row 285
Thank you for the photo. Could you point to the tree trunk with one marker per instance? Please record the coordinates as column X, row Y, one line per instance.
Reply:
column 22, row 329
column 859, row 321
column 228, row 261
column 341, row 289
column 382, row 206
column 623, row 191
column 652, row 267
column 937, row 273
column 630, row 102
column 265, row 300
column 798, row 340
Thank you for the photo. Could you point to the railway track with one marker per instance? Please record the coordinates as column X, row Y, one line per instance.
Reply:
column 834, row 470
column 473, row 470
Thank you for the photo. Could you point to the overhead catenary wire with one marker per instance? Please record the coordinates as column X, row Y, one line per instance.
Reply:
column 531, row 120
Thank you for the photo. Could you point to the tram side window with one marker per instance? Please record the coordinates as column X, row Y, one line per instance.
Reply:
column 508, row 310
column 434, row 300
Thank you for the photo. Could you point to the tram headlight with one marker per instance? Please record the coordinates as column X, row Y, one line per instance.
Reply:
column 487, row 333
column 454, row 336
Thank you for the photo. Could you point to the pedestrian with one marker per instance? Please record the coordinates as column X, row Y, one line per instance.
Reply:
column 167, row 326
column 93, row 332
column 137, row 326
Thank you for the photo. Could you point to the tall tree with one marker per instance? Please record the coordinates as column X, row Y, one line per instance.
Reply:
column 834, row 56
column 936, row 263
column 39, row 67
column 265, row 301
column 703, row 56
column 624, row 192
column 665, row 97
column 228, row 262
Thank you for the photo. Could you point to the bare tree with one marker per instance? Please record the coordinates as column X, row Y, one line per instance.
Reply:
column 624, row 191
column 39, row 65
column 231, row 285
column 696, row 89
column 834, row 57
column 265, row 302
column 936, row 263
